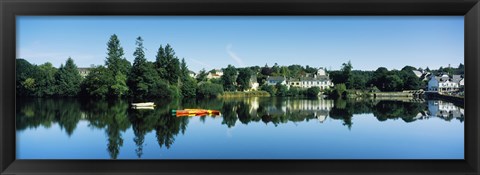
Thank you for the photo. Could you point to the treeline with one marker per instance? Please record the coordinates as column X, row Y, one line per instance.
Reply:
column 386, row 80
column 166, row 77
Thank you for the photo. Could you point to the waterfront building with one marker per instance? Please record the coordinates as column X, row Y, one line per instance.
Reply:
column 273, row 80
column 319, row 79
column 422, row 75
column 192, row 74
column 216, row 73
column 253, row 83
column 84, row 71
column 445, row 84
column 445, row 110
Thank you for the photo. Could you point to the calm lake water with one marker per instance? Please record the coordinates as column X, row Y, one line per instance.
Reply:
column 248, row 128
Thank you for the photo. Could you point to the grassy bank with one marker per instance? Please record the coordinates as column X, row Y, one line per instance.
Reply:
column 366, row 94
column 244, row 94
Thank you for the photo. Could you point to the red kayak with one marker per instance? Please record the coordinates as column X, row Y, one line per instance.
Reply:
column 195, row 112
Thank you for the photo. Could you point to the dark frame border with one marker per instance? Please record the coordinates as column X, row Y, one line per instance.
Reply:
column 10, row 8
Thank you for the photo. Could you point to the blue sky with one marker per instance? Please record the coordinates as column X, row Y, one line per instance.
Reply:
column 211, row 42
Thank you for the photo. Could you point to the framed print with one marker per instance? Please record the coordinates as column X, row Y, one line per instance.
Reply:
column 340, row 87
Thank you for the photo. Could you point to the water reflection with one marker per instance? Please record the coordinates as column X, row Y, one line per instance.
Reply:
column 115, row 117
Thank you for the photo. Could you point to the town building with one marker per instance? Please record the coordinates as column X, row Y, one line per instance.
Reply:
column 445, row 110
column 192, row 74
column 216, row 73
column 422, row 75
column 319, row 79
column 84, row 71
column 445, row 84
column 253, row 83
column 274, row 80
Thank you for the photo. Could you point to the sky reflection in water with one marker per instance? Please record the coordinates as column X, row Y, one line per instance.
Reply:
column 251, row 128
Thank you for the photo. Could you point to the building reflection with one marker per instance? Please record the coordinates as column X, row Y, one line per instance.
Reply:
column 445, row 110
column 115, row 117
column 298, row 108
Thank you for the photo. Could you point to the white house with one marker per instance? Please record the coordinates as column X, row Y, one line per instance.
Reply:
column 84, row 71
column 444, row 83
column 253, row 83
column 320, row 79
column 272, row 81
column 192, row 74
column 422, row 75
column 216, row 73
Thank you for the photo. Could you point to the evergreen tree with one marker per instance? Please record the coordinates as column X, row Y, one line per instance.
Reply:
column 68, row 79
column 118, row 67
column 228, row 78
column 115, row 60
column 184, row 72
column 97, row 83
column 46, row 80
column 168, row 65
column 144, row 80
column 141, row 75
column 243, row 79
column 202, row 76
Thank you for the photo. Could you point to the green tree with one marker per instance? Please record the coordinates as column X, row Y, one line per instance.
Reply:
column 143, row 76
column 228, row 78
column 97, row 82
column 339, row 91
column 202, row 75
column 209, row 90
column 189, row 87
column 243, row 79
column 379, row 78
column 313, row 92
column 270, row 89
column 119, row 88
column 346, row 74
column 24, row 70
column 46, row 80
column 282, row 90
column 393, row 83
column 68, row 79
column 410, row 80
column 167, row 64
column 115, row 60
column 184, row 72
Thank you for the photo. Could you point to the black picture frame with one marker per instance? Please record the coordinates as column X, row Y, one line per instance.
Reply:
column 11, row 8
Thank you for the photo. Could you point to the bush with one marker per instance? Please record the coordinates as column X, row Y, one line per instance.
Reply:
column 270, row 89
column 162, row 89
column 209, row 90
column 281, row 90
column 340, row 90
column 189, row 87
column 313, row 92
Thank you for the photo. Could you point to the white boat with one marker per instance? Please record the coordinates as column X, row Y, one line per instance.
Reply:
column 149, row 107
column 146, row 104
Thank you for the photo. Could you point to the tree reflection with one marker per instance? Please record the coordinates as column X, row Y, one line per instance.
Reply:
column 32, row 113
column 407, row 111
column 115, row 117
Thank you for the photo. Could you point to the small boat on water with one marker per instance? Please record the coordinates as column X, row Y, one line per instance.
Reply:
column 148, row 107
column 195, row 112
column 145, row 105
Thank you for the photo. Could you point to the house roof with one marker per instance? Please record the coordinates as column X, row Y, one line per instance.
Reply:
column 444, row 78
column 318, row 78
column 253, row 78
column 276, row 78
column 84, row 68
column 417, row 73
column 457, row 78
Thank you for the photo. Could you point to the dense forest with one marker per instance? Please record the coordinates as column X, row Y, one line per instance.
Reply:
column 168, row 77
